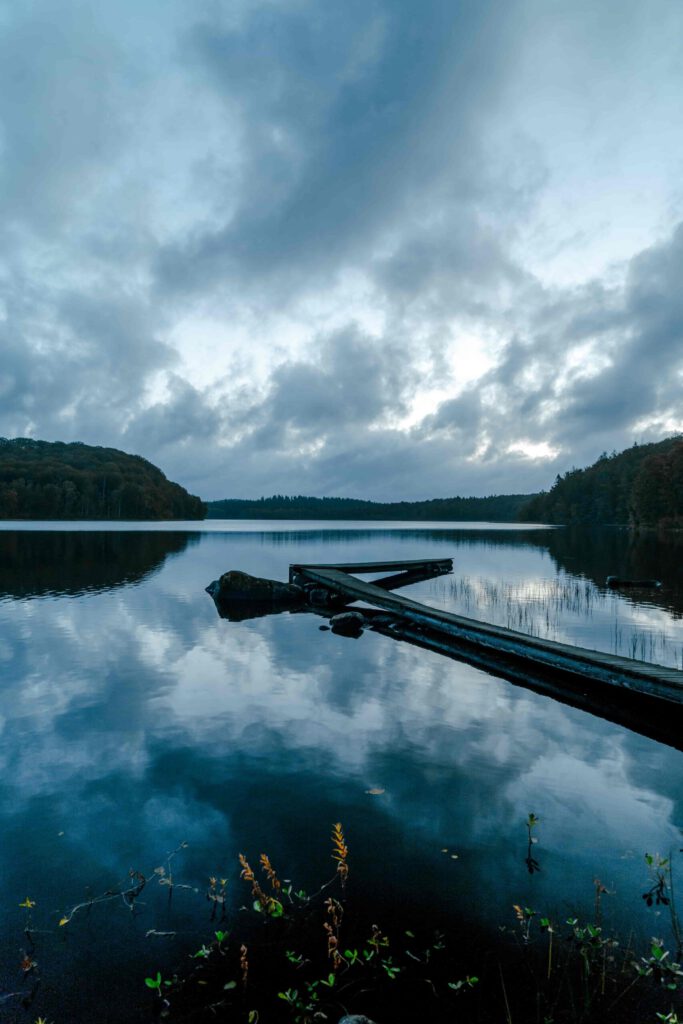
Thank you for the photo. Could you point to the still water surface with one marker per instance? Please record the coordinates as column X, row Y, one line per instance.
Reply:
column 134, row 719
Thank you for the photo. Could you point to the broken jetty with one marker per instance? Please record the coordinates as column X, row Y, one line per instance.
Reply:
column 644, row 697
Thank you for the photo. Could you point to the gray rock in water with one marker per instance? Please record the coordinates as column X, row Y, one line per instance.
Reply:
column 356, row 1018
column 240, row 586
column 348, row 623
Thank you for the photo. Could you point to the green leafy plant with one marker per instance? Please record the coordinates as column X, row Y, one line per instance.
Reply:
column 464, row 983
column 566, row 975
column 157, row 983
column 390, row 969
column 525, row 916
column 658, row 966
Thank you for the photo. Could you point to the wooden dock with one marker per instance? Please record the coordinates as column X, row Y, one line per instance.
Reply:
column 450, row 633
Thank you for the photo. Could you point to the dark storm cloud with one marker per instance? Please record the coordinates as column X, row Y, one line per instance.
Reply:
column 457, row 417
column 454, row 266
column 184, row 414
column 356, row 120
column 352, row 379
column 75, row 364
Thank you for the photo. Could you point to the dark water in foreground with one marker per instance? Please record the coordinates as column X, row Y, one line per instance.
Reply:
column 134, row 719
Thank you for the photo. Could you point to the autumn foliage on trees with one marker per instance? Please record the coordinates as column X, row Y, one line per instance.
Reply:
column 642, row 486
column 45, row 480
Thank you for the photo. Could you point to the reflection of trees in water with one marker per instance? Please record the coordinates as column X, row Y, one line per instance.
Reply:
column 595, row 552
column 34, row 563
column 396, row 533
column 575, row 598
column 599, row 553
column 592, row 552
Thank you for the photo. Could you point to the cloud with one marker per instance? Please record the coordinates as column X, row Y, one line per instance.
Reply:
column 637, row 329
column 292, row 247
column 182, row 414
column 75, row 365
column 352, row 121
column 352, row 380
column 61, row 112
column 585, row 365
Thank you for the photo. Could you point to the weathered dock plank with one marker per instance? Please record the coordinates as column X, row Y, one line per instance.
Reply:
column 626, row 673
column 415, row 564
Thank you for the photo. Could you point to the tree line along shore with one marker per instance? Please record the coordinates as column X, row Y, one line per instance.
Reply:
column 639, row 487
column 642, row 486
column 53, row 480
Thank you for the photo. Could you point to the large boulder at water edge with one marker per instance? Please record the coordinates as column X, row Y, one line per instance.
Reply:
column 240, row 586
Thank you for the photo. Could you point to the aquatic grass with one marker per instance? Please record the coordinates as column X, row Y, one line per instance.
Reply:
column 332, row 928
column 584, row 982
column 662, row 892
column 340, row 852
column 269, row 871
column 310, row 981
column 216, row 894
column 262, row 902
column 558, row 608
column 129, row 891
column 128, row 894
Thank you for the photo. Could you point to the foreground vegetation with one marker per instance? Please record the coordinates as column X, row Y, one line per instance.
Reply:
column 304, row 959
column 44, row 480
column 274, row 953
column 642, row 486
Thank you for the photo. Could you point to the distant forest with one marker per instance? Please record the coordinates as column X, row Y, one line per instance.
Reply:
column 498, row 508
column 45, row 480
column 642, row 486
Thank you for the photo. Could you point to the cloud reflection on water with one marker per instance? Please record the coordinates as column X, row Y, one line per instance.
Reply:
column 136, row 718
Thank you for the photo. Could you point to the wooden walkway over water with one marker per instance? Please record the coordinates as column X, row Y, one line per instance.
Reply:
column 450, row 633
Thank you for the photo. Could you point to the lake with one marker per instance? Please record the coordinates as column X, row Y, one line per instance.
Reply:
column 135, row 719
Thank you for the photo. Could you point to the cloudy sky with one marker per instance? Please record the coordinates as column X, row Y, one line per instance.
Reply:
column 376, row 248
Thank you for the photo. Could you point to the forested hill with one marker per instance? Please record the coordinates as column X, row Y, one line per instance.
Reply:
column 52, row 480
column 642, row 486
column 498, row 508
